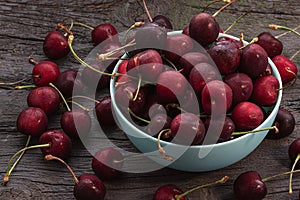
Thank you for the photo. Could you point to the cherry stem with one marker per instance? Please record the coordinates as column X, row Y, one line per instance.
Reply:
column 276, row 27
column 61, row 26
column 211, row 3
column 170, row 62
column 278, row 175
column 295, row 54
column 160, row 148
column 21, row 87
column 14, row 83
column 84, row 97
column 5, row 180
column 221, row 181
column 254, row 131
column 291, row 174
column 175, row 105
column 32, row 61
column 9, row 170
column 138, row 88
column 61, row 95
column 221, row 9
column 50, row 157
column 79, row 105
column 235, row 22
column 278, row 36
column 137, row 117
column 147, row 11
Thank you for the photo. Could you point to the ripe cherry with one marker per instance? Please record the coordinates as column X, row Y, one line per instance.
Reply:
column 32, row 121
column 55, row 45
column 163, row 21
column 227, row 125
column 287, row 69
column 271, row 45
column 46, row 98
column 104, row 113
column 104, row 32
column 158, row 123
column 190, row 59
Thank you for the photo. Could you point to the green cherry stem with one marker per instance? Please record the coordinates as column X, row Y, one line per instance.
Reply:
column 221, row 181
column 236, row 21
column 16, row 82
column 280, row 35
column 85, row 97
column 79, row 105
column 61, row 95
column 138, row 88
column 21, row 87
column 225, row 6
column 6, row 178
column 291, row 174
column 137, row 117
column 10, row 169
column 254, row 131
column 50, row 157
column 276, row 27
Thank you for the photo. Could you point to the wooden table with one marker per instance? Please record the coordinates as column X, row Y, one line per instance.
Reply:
column 24, row 25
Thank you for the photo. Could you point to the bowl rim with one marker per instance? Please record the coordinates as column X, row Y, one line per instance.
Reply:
column 144, row 135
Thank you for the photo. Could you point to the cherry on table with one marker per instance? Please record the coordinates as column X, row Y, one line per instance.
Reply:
column 104, row 32
column 55, row 45
column 163, row 21
column 104, row 113
column 46, row 98
column 32, row 121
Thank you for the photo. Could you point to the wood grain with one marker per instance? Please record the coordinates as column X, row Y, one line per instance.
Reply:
column 24, row 24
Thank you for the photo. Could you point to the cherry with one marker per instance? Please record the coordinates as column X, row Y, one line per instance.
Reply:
column 187, row 128
column 104, row 113
column 204, row 29
column 44, row 72
column 285, row 122
column 55, row 45
column 271, row 45
column 163, row 21
column 87, row 186
column 60, row 143
column 107, row 163
column 216, row 97
column 254, row 60
column 32, row 121
column 186, row 30
column 148, row 63
column 67, row 81
column 227, row 125
column 226, row 56
column 170, row 86
column 241, row 85
column 172, row 192
column 158, row 123
column 122, row 69
column 190, row 59
column 104, row 32
column 76, row 123
column 287, row 69
column 177, row 45
column 46, row 98
column 265, row 90
column 247, row 116
column 201, row 74
column 248, row 186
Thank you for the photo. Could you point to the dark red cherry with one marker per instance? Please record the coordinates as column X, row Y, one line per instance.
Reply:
column 201, row 74
column 122, row 69
column 171, row 85
column 241, row 85
column 104, row 32
column 214, row 126
column 45, row 72
column 249, row 186
column 265, row 90
column 163, row 21
column 237, row 43
column 32, row 121
column 104, row 113
column 186, row 30
column 68, row 83
column 168, row 192
column 294, row 151
column 107, row 163
column 89, row 187
column 271, row 45
column 204, row 29
column 76, row 123
column 287, row 69
column 158, row 122
column 285, row 122
column 226, row 56
column 216, row 97
column 247, row 116
column 60, row 144
column 190, row 59
column 187, row 129
column 46, row 98
column 254, row 60
column 56, row 45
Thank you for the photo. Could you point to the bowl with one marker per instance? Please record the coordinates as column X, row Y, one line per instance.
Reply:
column 198, row 158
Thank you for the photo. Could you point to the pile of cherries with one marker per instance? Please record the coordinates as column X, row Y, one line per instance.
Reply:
column 165, row 82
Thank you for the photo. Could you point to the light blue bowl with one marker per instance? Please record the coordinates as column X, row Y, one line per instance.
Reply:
column 198, row 158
